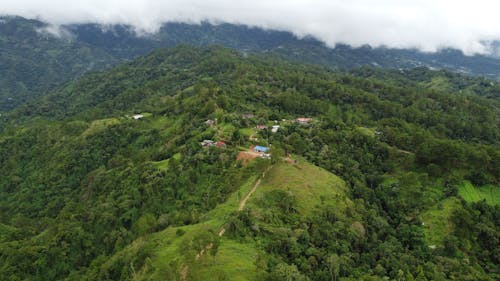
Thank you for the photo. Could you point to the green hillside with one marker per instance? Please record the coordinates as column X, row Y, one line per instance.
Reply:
column 175, row 249
column 33, row 62
column 129, row 174
column 36, row 58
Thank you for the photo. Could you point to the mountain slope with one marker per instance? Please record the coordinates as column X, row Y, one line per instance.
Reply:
column 91, row 190
column 33, row 61
column 212, row 249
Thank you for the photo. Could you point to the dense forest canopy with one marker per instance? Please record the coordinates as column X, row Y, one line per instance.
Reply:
column 390, row 175
column 36, row 58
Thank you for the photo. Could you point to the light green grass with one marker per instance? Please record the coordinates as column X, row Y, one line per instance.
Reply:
column 489, row 193
column 309, row 184
column 439, row 83
column 234, row 260
column 231, row 254
column 100, row 125
column 159, row 123
column 164, row 164
column 147, row 114
column 247, row 132
column 437, row 224
column 366, row 131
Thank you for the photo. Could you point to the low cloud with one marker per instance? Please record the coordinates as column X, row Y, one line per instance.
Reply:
column 428, row 25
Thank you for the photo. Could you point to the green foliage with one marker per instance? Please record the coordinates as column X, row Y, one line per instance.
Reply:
column 489, row 193
column 33, row 62
column 89, row 193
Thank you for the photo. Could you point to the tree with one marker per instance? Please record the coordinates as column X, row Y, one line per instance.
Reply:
column 333, row 263
column 285, row 272
column 277, row 154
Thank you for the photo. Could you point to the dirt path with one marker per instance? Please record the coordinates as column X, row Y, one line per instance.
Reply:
column 184, row 271
column 245, row 200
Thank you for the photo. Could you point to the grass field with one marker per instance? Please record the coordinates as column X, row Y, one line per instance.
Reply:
column 309, row 184
column 231, row 262
column 437, row 224
column 489, row 193
column 439, row 83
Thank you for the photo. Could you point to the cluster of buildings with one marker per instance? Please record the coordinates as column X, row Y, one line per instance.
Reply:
column 262, row 151
column 274, row 128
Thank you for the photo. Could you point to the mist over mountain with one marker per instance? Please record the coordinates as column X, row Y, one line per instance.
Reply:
column 426, row 25
column 36, row 57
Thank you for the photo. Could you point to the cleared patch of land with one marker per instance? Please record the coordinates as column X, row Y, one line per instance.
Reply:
column 309, row 184
column 436, row 220
column 470, row 193
column 246, row 156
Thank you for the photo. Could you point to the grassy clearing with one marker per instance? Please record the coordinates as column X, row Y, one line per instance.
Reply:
column 160, row 122
column 164, row 164
column 490, row 193
column 366, row 131
column 309, row 184
column 439, row 83
column 437, row 224
column 99, row 125
column 233, row 261
column 247, row 132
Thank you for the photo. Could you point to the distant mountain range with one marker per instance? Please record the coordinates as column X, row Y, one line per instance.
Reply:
column 34, row 61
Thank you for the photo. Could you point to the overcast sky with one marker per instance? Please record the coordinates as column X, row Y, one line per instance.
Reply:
column 425, row 24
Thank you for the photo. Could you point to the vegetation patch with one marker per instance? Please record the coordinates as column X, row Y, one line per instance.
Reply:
column 437, row 222
column 470, row 193
column 100, row 125
column 309, row 185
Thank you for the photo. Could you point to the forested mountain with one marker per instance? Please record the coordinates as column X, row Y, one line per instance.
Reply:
column 147, row 171
column 33, row 60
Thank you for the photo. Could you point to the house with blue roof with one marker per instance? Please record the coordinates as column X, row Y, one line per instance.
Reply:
column 262, row 149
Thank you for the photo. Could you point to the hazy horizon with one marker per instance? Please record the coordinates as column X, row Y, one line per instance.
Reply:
column 424, row 24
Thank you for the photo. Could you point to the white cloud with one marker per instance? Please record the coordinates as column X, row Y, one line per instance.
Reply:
column 425, row 24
